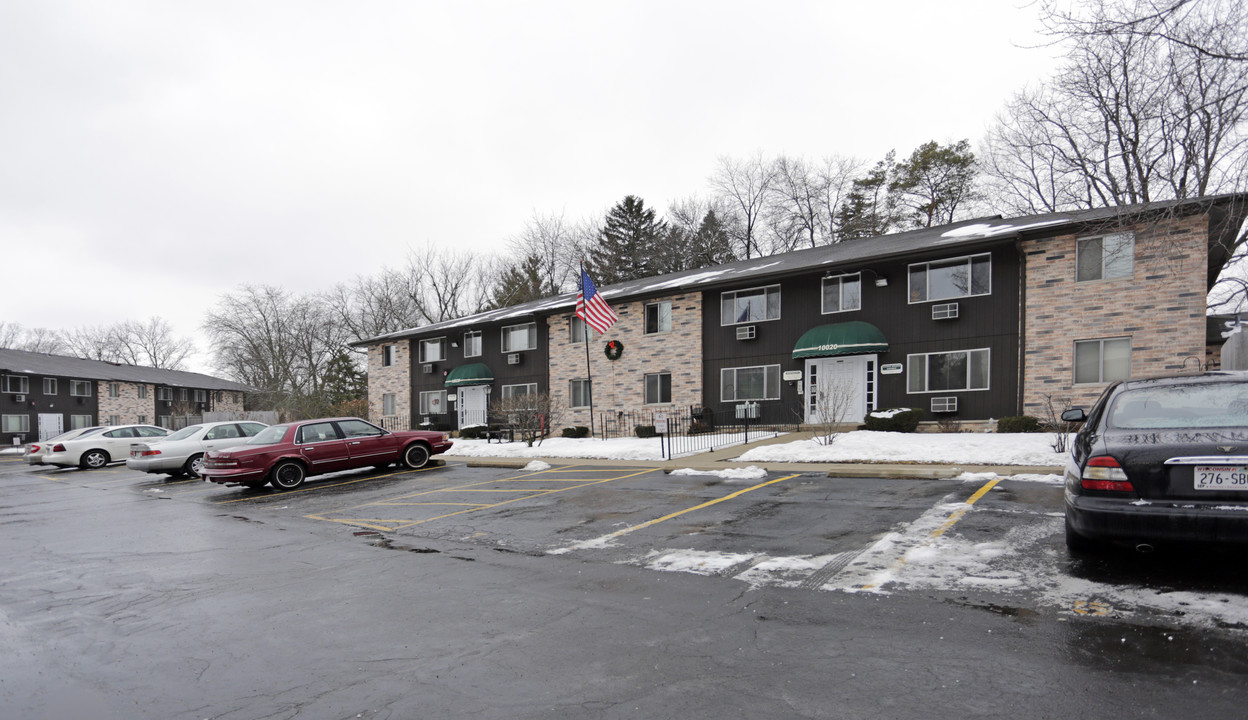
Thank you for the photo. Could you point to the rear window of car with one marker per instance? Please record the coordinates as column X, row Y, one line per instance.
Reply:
column 1192, row 405
column 185, row 432
column 270, row 435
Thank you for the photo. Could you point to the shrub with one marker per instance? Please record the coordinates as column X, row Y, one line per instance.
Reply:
column 580, row 431
column 894, row 420
column 476, row 432
column 646, row 431
column 1019, row 424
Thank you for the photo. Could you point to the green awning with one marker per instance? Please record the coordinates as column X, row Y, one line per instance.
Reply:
column 471, row 374
column 847, row 338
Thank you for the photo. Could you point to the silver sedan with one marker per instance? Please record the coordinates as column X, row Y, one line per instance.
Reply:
column 182, row 453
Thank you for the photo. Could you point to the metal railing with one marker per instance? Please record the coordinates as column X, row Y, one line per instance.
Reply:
column 691, row 430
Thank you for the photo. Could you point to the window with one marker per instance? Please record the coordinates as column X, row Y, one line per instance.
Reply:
column 16, row 384
column 142, row 392
column 165, row 421
column 524, row 390
column 387, row 404
column 754, row 305
column 520, row 337
column 842, row 293
column 317, row 432
column 1102, row 361
column 472, row 343
column 945, row 371
column 164, row 393
column 182, row 395
column 658, row 388
column 433, row 350
column 49, row 386
column 79, row 421
column 389, row 355
column 357, row 428
column 201, row 396
column 578, row 393
column 960, row 277
column 142, row 419
column 1104, row 258
column 750, row 383
column 113, row 420
column 114, row 390
column 433, row 403
column 80, row 388
column 578, row 331
column 659, row 317
column 15, row 424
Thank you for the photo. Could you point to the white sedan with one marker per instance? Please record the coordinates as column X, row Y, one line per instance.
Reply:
column 96, row 450
column 35, row 451
column 182, row 453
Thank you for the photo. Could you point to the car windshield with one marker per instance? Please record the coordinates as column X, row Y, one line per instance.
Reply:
column 1190, row 405
column 270, row 435
column 185, row 432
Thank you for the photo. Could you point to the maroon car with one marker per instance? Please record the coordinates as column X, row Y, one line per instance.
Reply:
column 285, row 455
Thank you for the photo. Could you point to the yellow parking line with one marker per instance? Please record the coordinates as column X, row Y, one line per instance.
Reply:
column 321, row 486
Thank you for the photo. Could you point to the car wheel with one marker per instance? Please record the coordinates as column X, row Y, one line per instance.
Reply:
column 416, row 456
column 1077, row 543
column 287, row 476
column 94, row 459
column 194, row 464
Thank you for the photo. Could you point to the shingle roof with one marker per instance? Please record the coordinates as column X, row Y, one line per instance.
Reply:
column 849, row 253
column 21, row 362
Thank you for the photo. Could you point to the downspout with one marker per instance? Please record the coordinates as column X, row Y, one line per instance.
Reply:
column 1022, row 320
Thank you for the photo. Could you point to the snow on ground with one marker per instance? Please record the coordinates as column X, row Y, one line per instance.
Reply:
column 591, row 448
column 940, row 448
column 748, row 473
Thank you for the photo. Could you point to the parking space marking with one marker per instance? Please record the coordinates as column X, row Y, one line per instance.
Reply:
column 322, row 485
column 392, row 525
column 602, row 541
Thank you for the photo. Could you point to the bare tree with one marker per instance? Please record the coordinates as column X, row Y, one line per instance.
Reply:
column 745, row 185
column 532, row 417
column 797, row 205
column 556, row 245
column 446, row 282
column 1216, row 29
column 92, row 343
column 377, row 304
column 151, row 344
column 835, row 400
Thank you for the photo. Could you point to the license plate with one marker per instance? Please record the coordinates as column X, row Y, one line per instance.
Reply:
column 1221, row 478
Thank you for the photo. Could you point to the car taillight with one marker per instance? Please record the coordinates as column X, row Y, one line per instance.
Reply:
column 58, row 448
column 1104, row 473
column 145, row 453
column 34, row 449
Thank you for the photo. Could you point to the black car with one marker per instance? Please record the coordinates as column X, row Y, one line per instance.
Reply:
column 1162, row 460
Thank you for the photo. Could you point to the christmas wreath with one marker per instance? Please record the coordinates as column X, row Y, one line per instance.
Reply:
column 614, row 349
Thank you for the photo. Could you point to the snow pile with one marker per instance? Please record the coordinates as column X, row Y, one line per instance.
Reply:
column 747, row 473
column 618, row 449
column 537, row 466
column 944, row 448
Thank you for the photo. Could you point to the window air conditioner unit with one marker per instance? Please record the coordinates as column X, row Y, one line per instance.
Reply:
column 945, row 311
column 745, row 332
column 427, row 368
column 513, row 359
column 19, row 398
column 944, row 404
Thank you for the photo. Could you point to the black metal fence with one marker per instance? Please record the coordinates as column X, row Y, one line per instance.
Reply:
column 684, row 431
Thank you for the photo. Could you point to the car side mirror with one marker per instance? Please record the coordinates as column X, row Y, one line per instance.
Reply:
column 1074, row 415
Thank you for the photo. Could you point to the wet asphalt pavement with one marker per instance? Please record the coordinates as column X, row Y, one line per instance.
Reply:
column 461, row 592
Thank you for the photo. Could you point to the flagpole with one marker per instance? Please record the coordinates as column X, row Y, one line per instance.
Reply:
column 589, row 374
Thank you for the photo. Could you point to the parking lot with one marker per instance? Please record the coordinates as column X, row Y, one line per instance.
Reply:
column 595, row 588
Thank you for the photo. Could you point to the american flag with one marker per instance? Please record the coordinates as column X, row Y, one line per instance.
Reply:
column 591, row 308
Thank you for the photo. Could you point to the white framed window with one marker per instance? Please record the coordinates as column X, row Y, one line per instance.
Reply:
column 753, row 305
column 182, row 395
column 142, row 419
column 945, row 371
column 578, row 331
column 842, row 293
column 80, row 388
column 49, row 386
column 79, row 421
column 201, row 396
column 142, row 392
column 659, row 317
column 114, row 390
column 15, row 424
column 520, row 337
column 388, row 404
column 114, row 420
column 578, row 393
column 433, row 350
column 164, row 393
column 658, row 388
column 956, row 278
column 1103, row 360
column 389, row 355
column 1105, row 257
column 760, row 382
column 433, row 403
column 522, row 390
column 472, row 343
column 165, row 421
column 19, row 384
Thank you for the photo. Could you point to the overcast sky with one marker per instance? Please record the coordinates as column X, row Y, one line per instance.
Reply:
column 155, row 155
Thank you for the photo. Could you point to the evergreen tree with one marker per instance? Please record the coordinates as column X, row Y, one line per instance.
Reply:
column 712, row 245
column 520, row 282
column 343, row 380
column 934, row 182
column 870, row 210
column 628, row 244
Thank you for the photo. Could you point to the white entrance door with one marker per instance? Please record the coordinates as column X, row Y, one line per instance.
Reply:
column 473, row 400
column 840, row 389
column 51, row 425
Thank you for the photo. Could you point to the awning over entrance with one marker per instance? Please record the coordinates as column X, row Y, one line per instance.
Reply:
column 471, row 374
column 847, row 338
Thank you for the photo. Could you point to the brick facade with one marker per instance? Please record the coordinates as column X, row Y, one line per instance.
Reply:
column 1160, row 307
column 129, row 408
column 620, row 385
column 396, row 378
